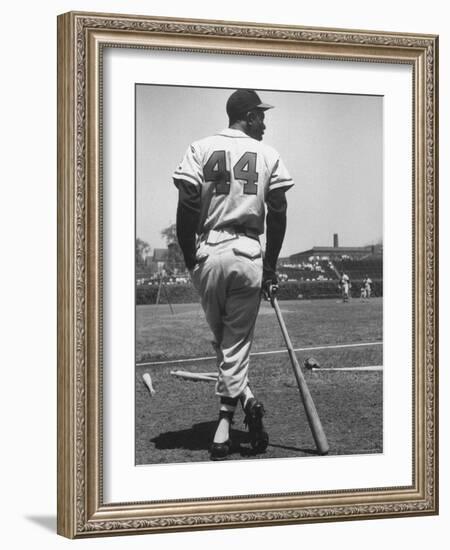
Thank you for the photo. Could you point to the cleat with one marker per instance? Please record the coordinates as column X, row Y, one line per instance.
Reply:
column 220, row 451
column 259, row 438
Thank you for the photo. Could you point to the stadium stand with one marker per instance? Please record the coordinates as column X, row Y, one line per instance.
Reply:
column 371, row 266
column 312, row 274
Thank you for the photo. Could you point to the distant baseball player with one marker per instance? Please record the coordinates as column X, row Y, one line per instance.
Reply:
column 225, row 182
column 345, row 286
column 367, row 286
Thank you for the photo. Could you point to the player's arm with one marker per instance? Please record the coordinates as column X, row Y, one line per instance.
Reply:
column 188, row 215
column 275, row 231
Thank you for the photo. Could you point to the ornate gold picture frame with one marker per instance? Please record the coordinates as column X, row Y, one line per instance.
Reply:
column 82, row 41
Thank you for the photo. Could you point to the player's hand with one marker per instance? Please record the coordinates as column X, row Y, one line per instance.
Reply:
column 190, row 264
column 270, row 291
column 269, row 285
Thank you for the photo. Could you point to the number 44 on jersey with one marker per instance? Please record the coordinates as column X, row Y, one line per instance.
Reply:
column 215, row 170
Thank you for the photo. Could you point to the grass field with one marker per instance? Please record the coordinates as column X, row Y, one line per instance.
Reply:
column 178, row 422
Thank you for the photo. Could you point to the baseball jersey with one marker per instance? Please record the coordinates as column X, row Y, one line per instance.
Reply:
column 234, row 173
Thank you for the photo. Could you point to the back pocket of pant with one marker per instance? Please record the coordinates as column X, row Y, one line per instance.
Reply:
column 248, row 255
column 201, row 258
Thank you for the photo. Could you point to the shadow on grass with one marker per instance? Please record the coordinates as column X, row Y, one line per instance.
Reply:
column 199, row 438
column 298, row 449
column 196, row 438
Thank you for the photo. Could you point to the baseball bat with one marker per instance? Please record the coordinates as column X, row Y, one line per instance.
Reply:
column 308, row 403
column 148, row 382
column 195, row 376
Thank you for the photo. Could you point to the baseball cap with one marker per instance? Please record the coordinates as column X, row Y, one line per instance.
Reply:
column 242, row 101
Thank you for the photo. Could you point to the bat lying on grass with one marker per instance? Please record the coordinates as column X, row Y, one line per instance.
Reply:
column 195, row 376
column 148, row 382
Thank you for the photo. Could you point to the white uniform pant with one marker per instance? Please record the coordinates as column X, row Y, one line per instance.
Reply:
column 228, row 277
column 345, row 289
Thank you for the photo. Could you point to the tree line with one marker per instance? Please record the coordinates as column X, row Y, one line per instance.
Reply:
column 174, row 256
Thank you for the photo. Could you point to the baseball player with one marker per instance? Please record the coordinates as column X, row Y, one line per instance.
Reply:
column 345, row 286
column 367, row 286
column 225, row 183
column 362, row 293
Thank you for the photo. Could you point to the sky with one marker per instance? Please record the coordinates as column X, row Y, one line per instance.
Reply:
column 332, row 145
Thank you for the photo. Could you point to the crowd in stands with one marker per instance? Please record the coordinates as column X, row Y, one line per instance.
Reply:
column 359, row 269
column 177, row 276
column 312, row 270
column 299, row 274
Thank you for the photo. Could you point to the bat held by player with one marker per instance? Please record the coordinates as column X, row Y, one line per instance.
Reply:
column 308, row 403
column 270, row 291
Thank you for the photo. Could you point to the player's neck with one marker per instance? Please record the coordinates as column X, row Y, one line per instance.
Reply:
column 240, row 125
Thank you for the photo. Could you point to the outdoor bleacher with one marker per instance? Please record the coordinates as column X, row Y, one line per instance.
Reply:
column 320, row 270
column 371, row 266
column 312, row 274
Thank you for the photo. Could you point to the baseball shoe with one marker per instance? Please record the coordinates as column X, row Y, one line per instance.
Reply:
column 254, row 412
column 220, row 451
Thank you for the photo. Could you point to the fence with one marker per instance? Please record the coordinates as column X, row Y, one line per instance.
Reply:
column 292, row 290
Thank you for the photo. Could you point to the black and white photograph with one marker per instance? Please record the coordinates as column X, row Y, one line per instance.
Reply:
column 259, row 274
column 247, row 274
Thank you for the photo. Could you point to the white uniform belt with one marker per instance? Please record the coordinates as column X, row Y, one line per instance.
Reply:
column 215, row 236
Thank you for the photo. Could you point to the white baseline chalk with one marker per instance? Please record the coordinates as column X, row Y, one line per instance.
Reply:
column 338, row 369
column 209, row 358
column 212, row 376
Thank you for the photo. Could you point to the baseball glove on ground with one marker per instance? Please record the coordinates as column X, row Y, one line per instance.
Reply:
column 311, row 363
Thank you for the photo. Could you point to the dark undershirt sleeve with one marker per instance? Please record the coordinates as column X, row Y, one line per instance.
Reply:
column 188, row 216
column 275, row 229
